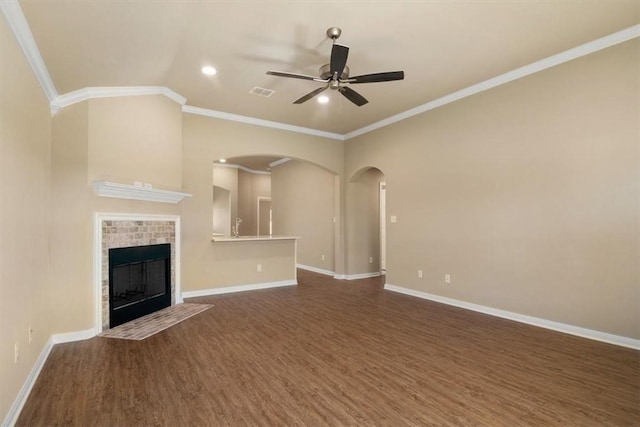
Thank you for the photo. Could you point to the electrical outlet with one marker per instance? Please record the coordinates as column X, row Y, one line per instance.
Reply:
column 447, row 278
column 16, row 352
column 323, row 257
column 394, row 219
column 259, row 268
column 30, row 334
column 419, row 274
column 370, row 260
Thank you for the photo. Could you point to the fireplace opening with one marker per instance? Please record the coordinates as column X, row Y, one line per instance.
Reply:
column 139, row 281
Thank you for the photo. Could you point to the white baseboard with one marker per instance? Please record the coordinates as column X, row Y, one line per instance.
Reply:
column 239, row 288
column 21, row 398
column 73, row 336
column 338, row 276
column 529, row 320
column 316, row 270
column 358, row 276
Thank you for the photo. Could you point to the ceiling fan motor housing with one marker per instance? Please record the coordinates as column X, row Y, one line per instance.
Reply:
column 325, row 72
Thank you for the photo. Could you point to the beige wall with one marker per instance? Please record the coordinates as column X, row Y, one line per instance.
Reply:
column 71, row 231
column 363, row 221
column 136, row 139
column 207, row 139
column 92, row 141
column 225, row 178
column 235, row 263
column 526, row 194
column 250, row 187
column 25, row 195
column 303, row 205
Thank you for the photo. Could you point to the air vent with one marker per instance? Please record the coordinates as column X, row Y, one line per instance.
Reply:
column 260, row 91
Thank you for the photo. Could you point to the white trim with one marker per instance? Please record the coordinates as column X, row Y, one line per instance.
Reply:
column 221, row 238
column 357, row 276
column 316, row 270
column 279, row 162
column 98, row 217
column 73, row 336
column 133, row 192
column 529, row 320
column 238, row 288
column 362, row 275
column 244, row 168
column 262, row 199
column 20, row 27
column 259, row 122
column 23, row 394
column 518, row 73
column 295, row 260
column 86, row 93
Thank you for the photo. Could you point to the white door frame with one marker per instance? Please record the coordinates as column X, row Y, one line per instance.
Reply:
column 383, row 226
column 263, row 199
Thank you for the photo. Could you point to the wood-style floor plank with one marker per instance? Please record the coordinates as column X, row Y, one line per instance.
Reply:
column 337, row 353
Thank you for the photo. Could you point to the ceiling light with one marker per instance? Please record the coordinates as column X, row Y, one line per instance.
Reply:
column 223, row 160
column 209, row 70
column 323, row 99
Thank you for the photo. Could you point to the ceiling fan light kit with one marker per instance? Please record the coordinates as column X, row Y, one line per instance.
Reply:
column 335, row 74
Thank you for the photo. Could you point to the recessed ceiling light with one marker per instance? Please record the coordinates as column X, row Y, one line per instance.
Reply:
column 223, row 160
column 323, row 99
column 209, row 70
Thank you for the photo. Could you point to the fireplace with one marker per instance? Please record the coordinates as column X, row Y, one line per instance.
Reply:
column 114, row 231
column 139, row 281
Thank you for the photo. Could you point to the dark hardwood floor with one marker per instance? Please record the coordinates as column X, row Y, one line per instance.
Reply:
column 338, row 353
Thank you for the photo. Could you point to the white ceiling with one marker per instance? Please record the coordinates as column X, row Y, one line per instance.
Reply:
column 443, row 47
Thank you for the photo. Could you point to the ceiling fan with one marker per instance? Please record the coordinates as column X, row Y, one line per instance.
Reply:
column 335, row 74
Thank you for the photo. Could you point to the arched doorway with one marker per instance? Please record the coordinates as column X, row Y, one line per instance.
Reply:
column 366, row 224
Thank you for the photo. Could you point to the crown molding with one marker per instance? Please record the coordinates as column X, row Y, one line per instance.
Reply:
column 24, row 36
column 243, row 168
column 133, row 192
column 551, row 61
column 111, row 92
column 279, row 162
column 260, row 122
column 18, row 23
column 246, row 169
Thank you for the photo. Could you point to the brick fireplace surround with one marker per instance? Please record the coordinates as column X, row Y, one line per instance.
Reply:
column 123, row 230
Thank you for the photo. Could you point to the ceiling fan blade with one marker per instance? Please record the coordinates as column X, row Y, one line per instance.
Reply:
column 353, row 96
column 339, row 55
column 310, row 95
column 292, row 75
column 377, row 77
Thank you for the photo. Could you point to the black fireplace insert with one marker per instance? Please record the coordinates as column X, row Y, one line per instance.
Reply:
column 139, row 281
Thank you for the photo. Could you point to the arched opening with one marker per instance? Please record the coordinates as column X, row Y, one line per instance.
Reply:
column 295, row 198
column 366, row 225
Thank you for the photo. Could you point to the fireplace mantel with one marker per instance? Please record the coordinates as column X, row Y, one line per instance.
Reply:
column 134, row 192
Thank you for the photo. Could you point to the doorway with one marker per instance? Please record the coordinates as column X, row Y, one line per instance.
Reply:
column 383, row 227
column 265, row 223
